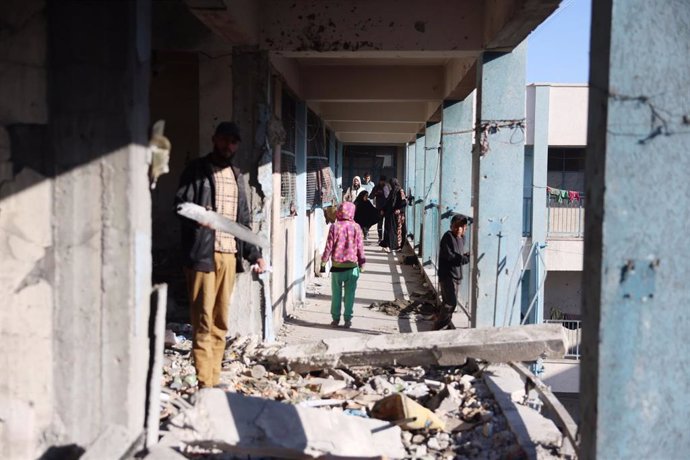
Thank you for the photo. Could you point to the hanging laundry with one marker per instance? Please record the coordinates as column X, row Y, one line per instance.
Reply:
column 554, row 194
column 563, row 196
column 573, row 196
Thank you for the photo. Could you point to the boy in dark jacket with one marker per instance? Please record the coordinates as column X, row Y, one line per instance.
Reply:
column 212, row 258
column 451, row 258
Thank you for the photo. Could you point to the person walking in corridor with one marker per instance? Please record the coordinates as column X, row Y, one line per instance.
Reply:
column 367, row 184
column 366, row 214
column 212, row 258
column 451, row 258
column 353, row 190
column 394, row 231
column 379, row 195
column 345, row 247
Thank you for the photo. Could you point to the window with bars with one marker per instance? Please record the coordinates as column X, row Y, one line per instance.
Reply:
column 319, row 177
column 566, row 168
column 288, row 183
column 288, row 176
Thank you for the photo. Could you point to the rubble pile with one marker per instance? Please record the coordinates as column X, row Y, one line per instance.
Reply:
column 444, row 412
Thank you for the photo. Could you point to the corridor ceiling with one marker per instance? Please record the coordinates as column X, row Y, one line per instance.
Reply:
column 375, row 70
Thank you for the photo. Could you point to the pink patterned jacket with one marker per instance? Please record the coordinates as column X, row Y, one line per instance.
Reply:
column 345, row 241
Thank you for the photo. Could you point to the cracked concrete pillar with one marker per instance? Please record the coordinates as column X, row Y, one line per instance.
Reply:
column 635, row 363
column 498, row 164
column 251, row 108
column 432, row 176
column 99, row 119
column 419, row 196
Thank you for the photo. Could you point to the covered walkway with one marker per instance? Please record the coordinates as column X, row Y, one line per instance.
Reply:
column 385, row 279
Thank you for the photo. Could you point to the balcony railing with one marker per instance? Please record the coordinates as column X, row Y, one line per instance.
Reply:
column 566, row 219
column 573, row 333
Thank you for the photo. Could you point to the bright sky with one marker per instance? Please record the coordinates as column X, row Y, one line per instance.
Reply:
column 558, row 50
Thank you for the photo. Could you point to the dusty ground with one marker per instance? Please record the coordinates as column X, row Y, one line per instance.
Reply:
column 385, row 279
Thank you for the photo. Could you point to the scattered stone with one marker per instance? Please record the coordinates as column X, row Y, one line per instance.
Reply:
column 418, row 438
column 258, row 371
column 417, row 390
column 454, row 395
column 407, row 437
column 433, row 444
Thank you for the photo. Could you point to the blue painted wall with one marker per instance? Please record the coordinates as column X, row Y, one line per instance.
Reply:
column 498, row 212
column 635, row 378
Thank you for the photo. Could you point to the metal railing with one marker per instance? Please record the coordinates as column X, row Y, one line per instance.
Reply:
column 566, row 219
column 573, row 333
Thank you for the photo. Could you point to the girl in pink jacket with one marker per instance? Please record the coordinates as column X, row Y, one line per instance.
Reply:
column 345, row 247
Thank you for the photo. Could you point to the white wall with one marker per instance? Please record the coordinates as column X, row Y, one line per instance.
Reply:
column 568, row 106
column 564, row 255
column 568, row 115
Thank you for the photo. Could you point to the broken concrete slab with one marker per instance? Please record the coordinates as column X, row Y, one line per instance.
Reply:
column 444, row 348
column 158, row 452
column 245, row 425
column 113, row 442
column 532, row 430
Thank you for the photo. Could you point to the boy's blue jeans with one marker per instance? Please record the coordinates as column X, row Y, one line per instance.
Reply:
column 339, row 280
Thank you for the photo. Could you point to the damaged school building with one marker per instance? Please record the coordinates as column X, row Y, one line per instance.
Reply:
column 431, row 92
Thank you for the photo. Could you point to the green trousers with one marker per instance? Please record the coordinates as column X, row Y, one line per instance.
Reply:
column 339, row 280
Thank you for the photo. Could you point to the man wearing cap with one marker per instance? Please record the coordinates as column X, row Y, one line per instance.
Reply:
column 451, row 258
column 211, row 258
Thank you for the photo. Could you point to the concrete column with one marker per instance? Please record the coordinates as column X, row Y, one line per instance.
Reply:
column 456, row 172
column 540, row 158
column 339, row 167
column 636, row 365
column 498, row 160
column 456, row 159
column 419, row 195
column 27, row 388
column 277, row 230
column 301, row 229
column 251, row 109
column 410, row 186
column 432, row 176
column 99, row 97
column 333, row 163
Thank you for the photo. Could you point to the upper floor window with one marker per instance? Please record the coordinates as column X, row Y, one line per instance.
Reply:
column 566, row 168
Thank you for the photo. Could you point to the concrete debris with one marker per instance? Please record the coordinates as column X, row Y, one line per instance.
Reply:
column 444, row 348
column 538, row 436
column 454, row 397
column 163, row 453
column 244, row 425
column 113, row 442
column 421, row 306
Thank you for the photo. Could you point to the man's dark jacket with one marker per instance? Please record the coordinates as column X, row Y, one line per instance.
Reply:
column 451, row 256
column 198, row 242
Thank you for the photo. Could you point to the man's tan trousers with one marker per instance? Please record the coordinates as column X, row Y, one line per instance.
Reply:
column 209, row 298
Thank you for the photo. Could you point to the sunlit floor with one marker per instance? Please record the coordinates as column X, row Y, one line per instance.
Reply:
column 385, row 278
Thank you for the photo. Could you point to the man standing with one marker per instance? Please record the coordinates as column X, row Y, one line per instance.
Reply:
column 380, row 196
column 367, row 184
column 451, row 258
column 212, row 258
